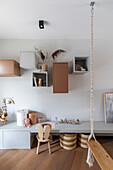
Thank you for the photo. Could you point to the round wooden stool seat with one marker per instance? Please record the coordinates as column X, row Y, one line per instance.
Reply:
column 82, row 138
column 68, row 141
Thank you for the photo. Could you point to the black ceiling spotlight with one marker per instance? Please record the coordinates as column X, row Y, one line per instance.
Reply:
column 41, row 24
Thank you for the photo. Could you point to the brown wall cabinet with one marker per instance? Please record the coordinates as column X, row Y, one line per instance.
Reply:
column 9, row 68
column 60, row 77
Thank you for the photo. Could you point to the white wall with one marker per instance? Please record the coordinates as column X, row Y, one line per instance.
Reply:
column 75, row 104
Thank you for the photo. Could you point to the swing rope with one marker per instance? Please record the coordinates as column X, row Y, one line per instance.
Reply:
column 90, row 158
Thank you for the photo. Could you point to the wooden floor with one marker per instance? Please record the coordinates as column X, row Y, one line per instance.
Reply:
column 60, row 159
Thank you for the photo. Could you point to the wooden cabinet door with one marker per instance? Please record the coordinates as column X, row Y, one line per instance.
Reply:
column 16, row 140
column 60, row 78
column 9, row 68
column 6, row 67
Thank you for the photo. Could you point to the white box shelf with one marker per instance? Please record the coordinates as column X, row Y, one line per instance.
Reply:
column 80, row 65
column 43, row 76
column 28, row 60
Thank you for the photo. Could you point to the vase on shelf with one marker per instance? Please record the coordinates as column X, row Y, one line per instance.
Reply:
column 45, row 67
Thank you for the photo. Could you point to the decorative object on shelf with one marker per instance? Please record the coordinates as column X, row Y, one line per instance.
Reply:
column 3, row 114
column 40, row 82
column 46, row 59
column 40, row 119
column 78, row 120
column 21, row 115
column 82, row 138
column 80, row 64
column 108, row 107
column 79, row 68
column 61, row 120
column 35, row 81
column 44, row 67
column 33, row 116
column 2, row 121
column 40, row 79
column 65, row 121
column 27, row 122
column 68, row 141
column 70, row 121
column 73, row 121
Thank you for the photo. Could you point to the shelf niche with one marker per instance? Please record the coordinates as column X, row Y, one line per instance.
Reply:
column 40, row 75
column 79, row 62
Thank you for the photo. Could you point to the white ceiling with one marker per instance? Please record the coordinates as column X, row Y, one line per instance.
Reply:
column 65, row 19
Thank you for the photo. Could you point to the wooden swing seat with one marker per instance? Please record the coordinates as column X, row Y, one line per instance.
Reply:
column 102, row 157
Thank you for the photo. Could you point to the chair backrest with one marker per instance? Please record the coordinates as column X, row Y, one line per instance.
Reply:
column 40, row 132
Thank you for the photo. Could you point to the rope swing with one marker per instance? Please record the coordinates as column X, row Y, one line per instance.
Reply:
column 94, row 147
column 90, row 158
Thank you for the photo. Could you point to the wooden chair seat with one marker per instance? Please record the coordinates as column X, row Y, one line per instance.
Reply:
column 44, row 140
column 102, row 157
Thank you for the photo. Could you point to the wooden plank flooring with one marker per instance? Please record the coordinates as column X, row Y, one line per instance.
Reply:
column 60, row 159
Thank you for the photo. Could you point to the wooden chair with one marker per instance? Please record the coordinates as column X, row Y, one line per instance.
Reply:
column 43, row 137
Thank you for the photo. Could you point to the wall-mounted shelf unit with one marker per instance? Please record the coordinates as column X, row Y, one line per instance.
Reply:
column 40, row 79
column 9, row 68
column 60, row 77
column 28, row 60
column 80, row 65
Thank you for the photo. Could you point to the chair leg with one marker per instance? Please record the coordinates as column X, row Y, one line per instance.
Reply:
column 49, row 147
column 38, row 145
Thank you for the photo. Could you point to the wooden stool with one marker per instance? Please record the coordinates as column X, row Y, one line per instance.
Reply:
column 68, row 141
column 43, row 137
column 82, row 140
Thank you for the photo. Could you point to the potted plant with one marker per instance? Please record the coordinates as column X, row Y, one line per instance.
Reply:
column 45, row 59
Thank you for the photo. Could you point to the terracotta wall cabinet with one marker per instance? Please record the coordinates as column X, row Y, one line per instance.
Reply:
column 60, row 78
column 9, row 68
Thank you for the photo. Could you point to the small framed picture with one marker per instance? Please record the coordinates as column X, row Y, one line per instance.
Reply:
column 108, row 107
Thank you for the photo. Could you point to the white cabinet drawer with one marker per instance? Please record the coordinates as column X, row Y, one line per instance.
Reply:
column 16, row 140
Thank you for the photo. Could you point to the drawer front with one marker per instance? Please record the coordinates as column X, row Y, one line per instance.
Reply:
column 16, row 140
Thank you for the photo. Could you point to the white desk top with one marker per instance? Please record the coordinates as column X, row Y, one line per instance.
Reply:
column 83, row 127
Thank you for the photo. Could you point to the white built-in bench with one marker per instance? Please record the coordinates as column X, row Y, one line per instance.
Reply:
column 17, row 137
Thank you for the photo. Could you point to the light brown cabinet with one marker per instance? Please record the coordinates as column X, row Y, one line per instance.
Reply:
column 9, row 68
column 60, row 77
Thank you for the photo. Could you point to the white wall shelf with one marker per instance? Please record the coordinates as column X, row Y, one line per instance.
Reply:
column 28, row 60
column 80, row 65
column 40, row 75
